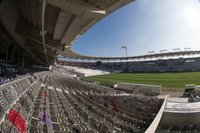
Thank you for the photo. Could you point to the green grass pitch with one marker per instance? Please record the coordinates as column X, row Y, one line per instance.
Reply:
column 168, row 81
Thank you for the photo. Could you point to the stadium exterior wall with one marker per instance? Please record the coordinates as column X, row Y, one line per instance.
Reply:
column 169, row 65
column 174, row 118
column 161, row 65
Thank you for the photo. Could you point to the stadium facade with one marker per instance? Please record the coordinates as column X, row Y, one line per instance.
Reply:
column 167, row 62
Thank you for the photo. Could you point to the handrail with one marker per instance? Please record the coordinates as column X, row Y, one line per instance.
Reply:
column 152, row 128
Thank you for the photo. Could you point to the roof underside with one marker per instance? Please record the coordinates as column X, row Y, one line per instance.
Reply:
column 65, row 20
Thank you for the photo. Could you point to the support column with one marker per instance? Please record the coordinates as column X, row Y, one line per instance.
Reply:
column 13, row 52
column 7, row 52
column 23, row 58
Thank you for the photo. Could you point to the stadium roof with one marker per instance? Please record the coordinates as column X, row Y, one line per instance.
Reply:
column 154, row 55
column 58, row 23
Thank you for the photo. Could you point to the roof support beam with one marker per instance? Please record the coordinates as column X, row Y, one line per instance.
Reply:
column 38, row 47
column 74, row 29
column 30, row 32
column 69, row 10
column 79, row 8
column 63, row 21
column 47, row 45
column 34, row 13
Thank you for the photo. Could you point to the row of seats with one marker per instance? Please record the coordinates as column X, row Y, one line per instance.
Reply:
column 95, row 104
column 76, row 122
column 19, row 97
column 56, row 106
column 88, row 117
column 87, row 72
column 10, row 72
column 74, row 106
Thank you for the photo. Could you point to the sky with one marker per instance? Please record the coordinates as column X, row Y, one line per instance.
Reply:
column 143, row 26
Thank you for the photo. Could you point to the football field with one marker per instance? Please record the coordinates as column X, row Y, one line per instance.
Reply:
column 168, row 81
